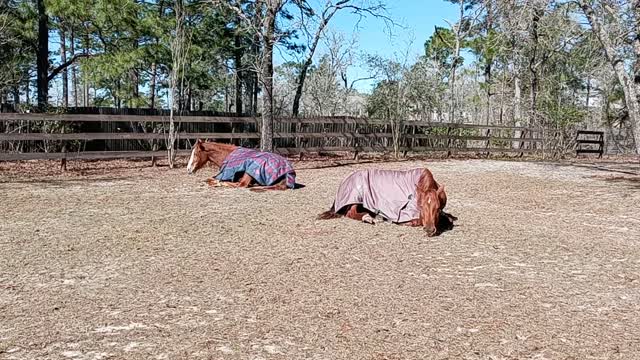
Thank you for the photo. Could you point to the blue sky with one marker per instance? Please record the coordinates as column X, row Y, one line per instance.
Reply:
column 417, row 18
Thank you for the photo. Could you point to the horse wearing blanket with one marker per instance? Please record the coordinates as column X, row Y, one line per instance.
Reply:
column 410, row 197
column 242, row 167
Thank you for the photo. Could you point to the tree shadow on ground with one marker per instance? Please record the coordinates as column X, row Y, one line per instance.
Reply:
column 632, row 182
column 67, row 182
column 627, row 167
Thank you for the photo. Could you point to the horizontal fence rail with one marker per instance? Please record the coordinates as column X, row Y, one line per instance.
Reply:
column 232, row 119
column 252, row 135
column 26, row 136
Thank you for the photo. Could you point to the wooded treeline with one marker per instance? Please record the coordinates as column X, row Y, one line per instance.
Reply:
column 556, row 64
column 540, row 63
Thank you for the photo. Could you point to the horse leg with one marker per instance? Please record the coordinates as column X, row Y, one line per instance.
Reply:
column 354, row 214
column 245, row 181
column 413, row 223
column 214, row 182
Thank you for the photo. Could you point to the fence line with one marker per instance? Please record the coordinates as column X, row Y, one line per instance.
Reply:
column 233, row 119
column 100, row 136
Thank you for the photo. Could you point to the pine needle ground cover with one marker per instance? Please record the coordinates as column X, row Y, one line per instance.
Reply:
column 128, row 262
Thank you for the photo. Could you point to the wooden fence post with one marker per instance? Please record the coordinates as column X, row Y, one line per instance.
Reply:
column 488, row 143
column 63, row 161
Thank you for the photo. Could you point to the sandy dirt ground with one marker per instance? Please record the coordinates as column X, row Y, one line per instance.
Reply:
column 131, row 262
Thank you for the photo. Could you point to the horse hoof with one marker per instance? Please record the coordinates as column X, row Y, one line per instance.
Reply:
column 213, row 183
column 368, row 219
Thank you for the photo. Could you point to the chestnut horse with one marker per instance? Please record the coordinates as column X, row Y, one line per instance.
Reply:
column 411, row 198
column 216, row 153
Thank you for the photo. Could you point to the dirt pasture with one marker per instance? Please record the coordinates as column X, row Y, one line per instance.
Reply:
column 149, row 263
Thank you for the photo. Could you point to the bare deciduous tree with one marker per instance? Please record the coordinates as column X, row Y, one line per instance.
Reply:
column 179, row 53
column 613, row 44
column 361, row 8
column 262, row 23
column 461, row 30
column 393, row 88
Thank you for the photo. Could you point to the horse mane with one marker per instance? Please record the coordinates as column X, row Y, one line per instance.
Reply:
column 427, row 183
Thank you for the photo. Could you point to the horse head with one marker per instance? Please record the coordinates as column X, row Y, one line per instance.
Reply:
column 199, row 157
column 431, row 204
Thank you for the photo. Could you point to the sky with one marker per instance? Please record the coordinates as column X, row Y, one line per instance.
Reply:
column 417, row 19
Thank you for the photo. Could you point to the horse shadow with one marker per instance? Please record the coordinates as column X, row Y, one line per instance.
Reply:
column 446, row 223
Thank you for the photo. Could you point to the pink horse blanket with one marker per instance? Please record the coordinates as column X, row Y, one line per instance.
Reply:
column 389, row 193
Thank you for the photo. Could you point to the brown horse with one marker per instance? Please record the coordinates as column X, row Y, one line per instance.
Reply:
column 411, row 198
column 216, row 153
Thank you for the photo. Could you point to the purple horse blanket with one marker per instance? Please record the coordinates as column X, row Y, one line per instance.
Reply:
column 389, row 193
column 265, row 167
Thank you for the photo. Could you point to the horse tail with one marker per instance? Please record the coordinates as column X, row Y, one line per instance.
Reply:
column 329, row 214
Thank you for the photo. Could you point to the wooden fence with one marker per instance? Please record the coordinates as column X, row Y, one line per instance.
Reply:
column 102, row 136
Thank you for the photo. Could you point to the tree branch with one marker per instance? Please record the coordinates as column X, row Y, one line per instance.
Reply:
column 61, row 67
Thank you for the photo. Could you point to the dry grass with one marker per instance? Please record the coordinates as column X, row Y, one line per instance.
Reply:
column 143, row 263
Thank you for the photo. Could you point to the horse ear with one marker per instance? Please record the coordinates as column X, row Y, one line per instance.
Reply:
column 442, row 195
column 198, row 141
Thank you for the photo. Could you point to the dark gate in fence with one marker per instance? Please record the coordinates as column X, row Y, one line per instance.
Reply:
column 590, row 142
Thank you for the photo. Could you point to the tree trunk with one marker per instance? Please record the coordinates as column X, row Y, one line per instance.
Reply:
column 116, row 95
column 16, row 94
column 636, row 69
column 488, row 60
column 86, row 80
column 254, row 94
column 135, row 82
column 517, row 109
column 189, row 106
column 63, row 59
column 452, row 82
column 309, row 60
column 74, row 71
column 454, row 65
column 588, row 96
column 154, row 66
column 248, row 91
column 631, row 92
column 135, row 88
column 266, row 139
column 237, row 53
column 502, row 96
column 227, row 104
column 533, row 67
column 43, row 55
column 27, row 91
column 152, row 86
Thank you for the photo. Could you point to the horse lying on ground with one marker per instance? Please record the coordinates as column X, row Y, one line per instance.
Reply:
column 410, row 198
column 242, row 167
